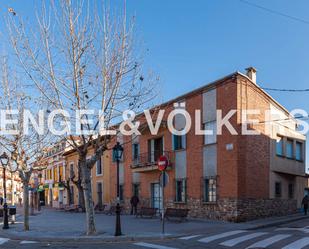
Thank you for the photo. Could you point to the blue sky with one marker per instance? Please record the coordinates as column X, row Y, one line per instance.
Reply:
column 194, row 42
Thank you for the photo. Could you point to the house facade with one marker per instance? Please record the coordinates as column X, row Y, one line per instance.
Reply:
column 228, row 176
column 100, row 178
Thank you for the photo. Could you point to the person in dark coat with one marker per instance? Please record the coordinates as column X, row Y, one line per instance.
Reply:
column 134, row 202
column 1, row 201
column 305, row 202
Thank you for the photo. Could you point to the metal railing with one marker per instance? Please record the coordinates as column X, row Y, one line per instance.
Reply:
column 150, row 158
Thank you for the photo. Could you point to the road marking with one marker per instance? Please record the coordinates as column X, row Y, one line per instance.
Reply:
column 3, row 240
column 238, row 240
column 298, row 244
column 153, row 246
column 190, row 237
column 300, row 229
column 220, row 236
column 24, row 242
column 269, row 241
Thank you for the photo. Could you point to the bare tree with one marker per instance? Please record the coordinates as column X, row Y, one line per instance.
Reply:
column 82, row 56
column 23, row 146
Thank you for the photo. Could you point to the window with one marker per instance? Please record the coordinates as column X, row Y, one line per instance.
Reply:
column 55, row 174
column 291, row 190
column 278, row 189
column 135, row 153
column 61, row 173
column 181, row 190
column 99, row 166
column 121, row 192
column 212, row 127
column 289, row 148
column 135, row 189
column 71, row 170
column 279, row 146
column 179, row 142
column 299, row 151
column 210, row 190
column 100, row 193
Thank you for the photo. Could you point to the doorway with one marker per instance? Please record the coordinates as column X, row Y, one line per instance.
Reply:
column 156, row 196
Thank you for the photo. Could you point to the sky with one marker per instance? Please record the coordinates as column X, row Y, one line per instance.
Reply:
column 191, row 43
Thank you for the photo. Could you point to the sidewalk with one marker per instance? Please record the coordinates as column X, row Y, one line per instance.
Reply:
column 50, row 224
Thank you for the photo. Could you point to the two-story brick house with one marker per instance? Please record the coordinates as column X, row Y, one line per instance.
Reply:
column 227, row 176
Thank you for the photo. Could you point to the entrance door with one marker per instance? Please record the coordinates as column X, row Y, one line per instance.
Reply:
column 156, row 196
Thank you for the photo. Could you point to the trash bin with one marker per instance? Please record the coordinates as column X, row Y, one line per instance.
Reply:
column 12, row 210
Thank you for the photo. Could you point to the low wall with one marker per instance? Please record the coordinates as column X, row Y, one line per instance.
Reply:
column 230, row 209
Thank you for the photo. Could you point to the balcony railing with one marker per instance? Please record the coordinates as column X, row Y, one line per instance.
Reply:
column 150, row 159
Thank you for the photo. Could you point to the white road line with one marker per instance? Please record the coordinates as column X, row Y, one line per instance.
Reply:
column 190, row 237
column 269, row 241
column 220, row 236
column 238, row 240
column 3, row 240
column 24, row 242
column 153, row 246
column 298, row 244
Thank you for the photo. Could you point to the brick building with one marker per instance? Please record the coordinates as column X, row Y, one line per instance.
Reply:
column 230, row 177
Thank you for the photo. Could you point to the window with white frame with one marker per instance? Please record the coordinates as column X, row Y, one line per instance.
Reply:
column 71, row 170
column 181, row 190
column 99, row 166
column 210, row 127
column 210, row 189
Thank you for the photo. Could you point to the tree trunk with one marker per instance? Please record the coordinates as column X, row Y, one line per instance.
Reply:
column 81, row 200
column 26, row 205
column 69, row 194
column 86, row 183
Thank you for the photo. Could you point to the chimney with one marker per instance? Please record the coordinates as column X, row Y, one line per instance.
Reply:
column 251, row 73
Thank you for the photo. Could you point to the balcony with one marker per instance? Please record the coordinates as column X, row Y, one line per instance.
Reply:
column 145, row 162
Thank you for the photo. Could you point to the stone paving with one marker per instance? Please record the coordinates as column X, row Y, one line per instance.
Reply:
column 50, row 223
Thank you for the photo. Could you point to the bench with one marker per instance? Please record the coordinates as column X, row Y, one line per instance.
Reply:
column 147, row 211
column 180, row 214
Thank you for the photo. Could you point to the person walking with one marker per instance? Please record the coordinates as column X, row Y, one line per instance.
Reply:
column 134, row 202
column 305, row 202
column 1, row 201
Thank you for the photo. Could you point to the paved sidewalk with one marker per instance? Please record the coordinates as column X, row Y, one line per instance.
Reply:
column 50, row 224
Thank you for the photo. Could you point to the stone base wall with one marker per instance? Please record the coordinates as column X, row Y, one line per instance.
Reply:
column 230, row 209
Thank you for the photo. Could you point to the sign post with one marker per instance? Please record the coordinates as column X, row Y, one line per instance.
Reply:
column 162, row 165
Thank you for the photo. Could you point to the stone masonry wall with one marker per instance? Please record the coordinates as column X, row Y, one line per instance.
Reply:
column 230, row 209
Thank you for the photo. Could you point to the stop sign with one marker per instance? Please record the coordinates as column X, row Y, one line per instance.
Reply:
column 162, row 163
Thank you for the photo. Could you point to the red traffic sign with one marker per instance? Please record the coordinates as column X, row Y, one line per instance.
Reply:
column 162, row 163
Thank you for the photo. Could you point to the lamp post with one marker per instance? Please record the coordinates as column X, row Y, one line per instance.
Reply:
column 117, row 155
column 4, row 162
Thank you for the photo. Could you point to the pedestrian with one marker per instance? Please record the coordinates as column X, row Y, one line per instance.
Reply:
column 305, row 202
column 134, row 202
column 20, row 201
column 1, row 201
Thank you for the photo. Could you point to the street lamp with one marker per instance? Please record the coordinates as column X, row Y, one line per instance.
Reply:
column 117, row 155
column 4, row 162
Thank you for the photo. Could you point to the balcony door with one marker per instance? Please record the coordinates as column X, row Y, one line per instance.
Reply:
column 155, row 149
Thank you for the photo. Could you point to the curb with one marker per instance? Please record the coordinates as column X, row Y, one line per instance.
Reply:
column 277, row 223
column 98, row 239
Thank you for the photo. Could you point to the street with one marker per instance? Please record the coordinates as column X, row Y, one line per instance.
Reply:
column 289, row 236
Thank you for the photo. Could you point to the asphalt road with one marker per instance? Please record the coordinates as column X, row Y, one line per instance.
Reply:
column 289, row 236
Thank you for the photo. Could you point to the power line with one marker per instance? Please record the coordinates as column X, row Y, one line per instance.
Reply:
column 275, row 12
column 285, row 90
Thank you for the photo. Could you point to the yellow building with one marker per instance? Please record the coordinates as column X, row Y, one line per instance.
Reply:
column 100, row 176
